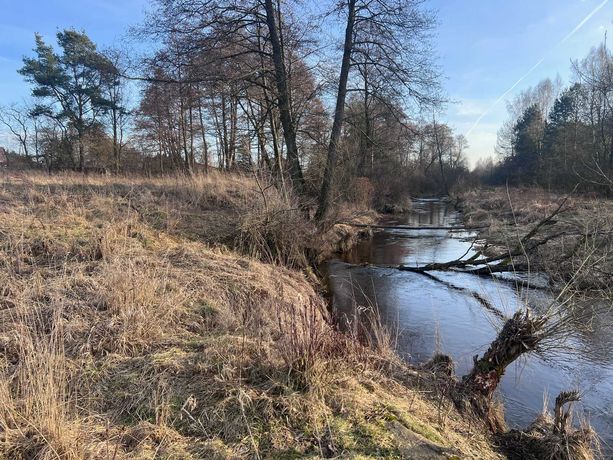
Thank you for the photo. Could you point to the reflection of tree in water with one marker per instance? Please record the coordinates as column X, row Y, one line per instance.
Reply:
column 596, row 339
column 426, row 213
column 382, row 246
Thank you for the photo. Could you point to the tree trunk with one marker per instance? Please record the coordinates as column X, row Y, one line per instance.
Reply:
column 205, row 148
column 289, row 128
column 439, row 152
column 520, row 334
column 81, row 153
column 258, row 125
column 192, row 155
column 339, row 113
column 116, row 159
column 224, row 127
column 365, row 135
column 233, row 129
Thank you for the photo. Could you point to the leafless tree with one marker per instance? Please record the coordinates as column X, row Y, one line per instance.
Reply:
column 19, row 122
column 385, row 38
column 114, row 88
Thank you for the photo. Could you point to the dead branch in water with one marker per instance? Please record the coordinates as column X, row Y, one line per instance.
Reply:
column 411, row 227
column 484, row 265
column 482, row 300
column 525, row 332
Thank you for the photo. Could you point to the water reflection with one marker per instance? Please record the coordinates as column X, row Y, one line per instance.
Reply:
column 431, row 317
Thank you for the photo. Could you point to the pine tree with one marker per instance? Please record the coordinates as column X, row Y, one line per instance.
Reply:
column 69, row 85
column 527, row 144
column 560, row 137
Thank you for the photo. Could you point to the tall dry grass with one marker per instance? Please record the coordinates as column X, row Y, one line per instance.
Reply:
column 583, row 232
column 161, row 318
column 38, row 416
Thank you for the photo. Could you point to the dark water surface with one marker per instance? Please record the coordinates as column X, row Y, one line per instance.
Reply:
column 430, row 316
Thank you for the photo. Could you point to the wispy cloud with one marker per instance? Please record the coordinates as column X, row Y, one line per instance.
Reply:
column 540, row 61
column 503, row 95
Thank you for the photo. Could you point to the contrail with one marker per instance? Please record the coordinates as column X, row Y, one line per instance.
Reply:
column 503, row 95
column 585, row 19
column 569, row 35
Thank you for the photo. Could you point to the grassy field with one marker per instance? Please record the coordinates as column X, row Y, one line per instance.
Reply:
column 178, row 318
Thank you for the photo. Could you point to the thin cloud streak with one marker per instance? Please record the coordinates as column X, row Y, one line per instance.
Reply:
column 503, row 95
column 582, row 23
column 566, row 38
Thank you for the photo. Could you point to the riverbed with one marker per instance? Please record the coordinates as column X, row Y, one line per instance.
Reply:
column 443, row 313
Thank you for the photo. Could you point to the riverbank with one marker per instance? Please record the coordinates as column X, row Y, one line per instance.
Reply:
column 407, row 273
column 178, row 318
column 578, row 248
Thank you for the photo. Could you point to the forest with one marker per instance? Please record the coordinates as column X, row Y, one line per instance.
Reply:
column 559, row 136
column 248, row 87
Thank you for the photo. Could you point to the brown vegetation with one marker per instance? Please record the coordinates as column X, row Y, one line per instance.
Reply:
column 139, row 320
column 579, row 240
column 551, row 436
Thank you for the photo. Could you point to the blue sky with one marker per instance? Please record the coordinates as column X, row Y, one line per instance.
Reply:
column 105, row 21
column 484, row 47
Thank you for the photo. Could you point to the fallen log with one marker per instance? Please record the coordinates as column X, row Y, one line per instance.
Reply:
column 487, row 265
column 482, row 266
column 411, row 227
column 499, row 268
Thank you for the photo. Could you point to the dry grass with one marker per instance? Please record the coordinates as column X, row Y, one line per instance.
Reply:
column 582, row 253
column 37, row 412
column 138, row 320
column 545, row 438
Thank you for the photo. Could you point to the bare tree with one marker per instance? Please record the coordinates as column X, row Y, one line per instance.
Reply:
column 114, row 87
column 438, row 142
column 390, row 39
column 283, row 94
column 339, row 111
column 19, row 122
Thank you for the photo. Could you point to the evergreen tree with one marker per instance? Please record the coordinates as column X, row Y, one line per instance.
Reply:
column 69, row 85
column 560, row 138
column 527, row 144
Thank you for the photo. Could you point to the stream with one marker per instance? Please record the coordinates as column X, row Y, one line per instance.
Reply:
column 429, row 316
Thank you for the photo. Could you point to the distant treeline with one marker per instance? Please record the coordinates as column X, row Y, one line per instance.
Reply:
column 245, row 86
column 560, row 137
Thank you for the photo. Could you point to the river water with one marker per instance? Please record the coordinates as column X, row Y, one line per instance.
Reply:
column 428, row 315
